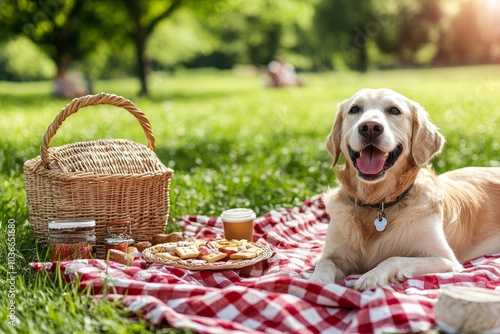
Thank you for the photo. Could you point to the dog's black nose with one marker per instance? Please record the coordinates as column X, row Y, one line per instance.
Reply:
column 370, row 129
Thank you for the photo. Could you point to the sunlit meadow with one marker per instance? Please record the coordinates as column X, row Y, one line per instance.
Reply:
column 231, row 142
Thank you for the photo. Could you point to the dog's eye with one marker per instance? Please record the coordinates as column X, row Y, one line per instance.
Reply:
column 354, row 110
column 394, row 111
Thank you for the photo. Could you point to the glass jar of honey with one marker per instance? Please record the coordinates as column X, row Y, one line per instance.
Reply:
column 71, row 239
column 119, row 236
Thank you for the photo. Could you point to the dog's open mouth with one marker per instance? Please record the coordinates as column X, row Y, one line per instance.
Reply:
column 372, row 163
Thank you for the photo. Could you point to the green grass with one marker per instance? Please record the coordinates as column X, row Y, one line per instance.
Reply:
column 231, row 143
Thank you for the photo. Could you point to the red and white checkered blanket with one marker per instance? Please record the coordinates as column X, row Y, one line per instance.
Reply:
column 274, row 295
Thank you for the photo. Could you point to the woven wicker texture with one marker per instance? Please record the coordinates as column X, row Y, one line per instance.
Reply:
column 106, row 180
column 149, row 254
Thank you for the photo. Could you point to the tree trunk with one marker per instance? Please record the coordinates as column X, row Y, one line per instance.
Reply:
column 363, row 59
column 140, row 36
column 137, row 10
column 142, row 61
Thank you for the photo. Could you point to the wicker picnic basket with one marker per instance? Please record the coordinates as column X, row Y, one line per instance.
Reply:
column 107, row 180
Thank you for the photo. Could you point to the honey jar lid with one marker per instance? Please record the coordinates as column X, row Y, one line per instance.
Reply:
column 71, row 223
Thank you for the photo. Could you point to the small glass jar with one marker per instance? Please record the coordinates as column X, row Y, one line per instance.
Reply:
column 118, row 236
column 119, row 243
column 72, row 239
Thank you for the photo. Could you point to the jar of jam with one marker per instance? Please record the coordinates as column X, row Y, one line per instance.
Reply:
column 72, row 239
column 119, row 236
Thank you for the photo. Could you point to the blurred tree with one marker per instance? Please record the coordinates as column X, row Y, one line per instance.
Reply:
column 68, row 31
column 255, row 32
column 346, row 26
column 65, row 30
column 112, row 37
column 180, row 39
column 145, row 16
column 22, row 60
column 472, row 35
column 406, row 27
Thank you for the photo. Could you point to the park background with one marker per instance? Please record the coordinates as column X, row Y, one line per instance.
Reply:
column 196, row 69
column 111, row 38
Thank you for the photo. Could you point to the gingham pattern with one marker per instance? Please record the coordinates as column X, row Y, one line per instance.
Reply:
column 274, row 295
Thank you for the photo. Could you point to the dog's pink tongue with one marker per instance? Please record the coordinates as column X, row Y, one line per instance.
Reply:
column 370, row 161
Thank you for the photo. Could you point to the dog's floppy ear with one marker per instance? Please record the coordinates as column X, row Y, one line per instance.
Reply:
column 427, row 141
column 334, row 138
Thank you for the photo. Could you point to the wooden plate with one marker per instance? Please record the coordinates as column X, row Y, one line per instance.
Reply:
column 462, row 309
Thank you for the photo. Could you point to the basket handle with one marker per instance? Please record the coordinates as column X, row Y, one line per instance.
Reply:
column 92, row 100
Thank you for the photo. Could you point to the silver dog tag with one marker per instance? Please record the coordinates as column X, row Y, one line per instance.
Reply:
column 380, row 223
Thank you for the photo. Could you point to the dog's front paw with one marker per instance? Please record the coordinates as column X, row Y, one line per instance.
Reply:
column 324, row 272
column 321, row 277
column 371, row 280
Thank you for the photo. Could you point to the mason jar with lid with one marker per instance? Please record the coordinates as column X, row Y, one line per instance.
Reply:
column 72, row 239
column 119, row 236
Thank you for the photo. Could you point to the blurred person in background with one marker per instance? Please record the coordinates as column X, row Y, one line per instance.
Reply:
column 282, row 74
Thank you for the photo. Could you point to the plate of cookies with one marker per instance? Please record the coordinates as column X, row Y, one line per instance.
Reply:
column 199, row 254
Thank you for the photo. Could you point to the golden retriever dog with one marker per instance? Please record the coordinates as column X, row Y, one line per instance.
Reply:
column 391, row 216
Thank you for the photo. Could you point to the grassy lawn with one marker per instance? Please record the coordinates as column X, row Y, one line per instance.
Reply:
column 231, row 143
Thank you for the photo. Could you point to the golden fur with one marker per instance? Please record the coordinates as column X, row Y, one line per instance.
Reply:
column 441, row 221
